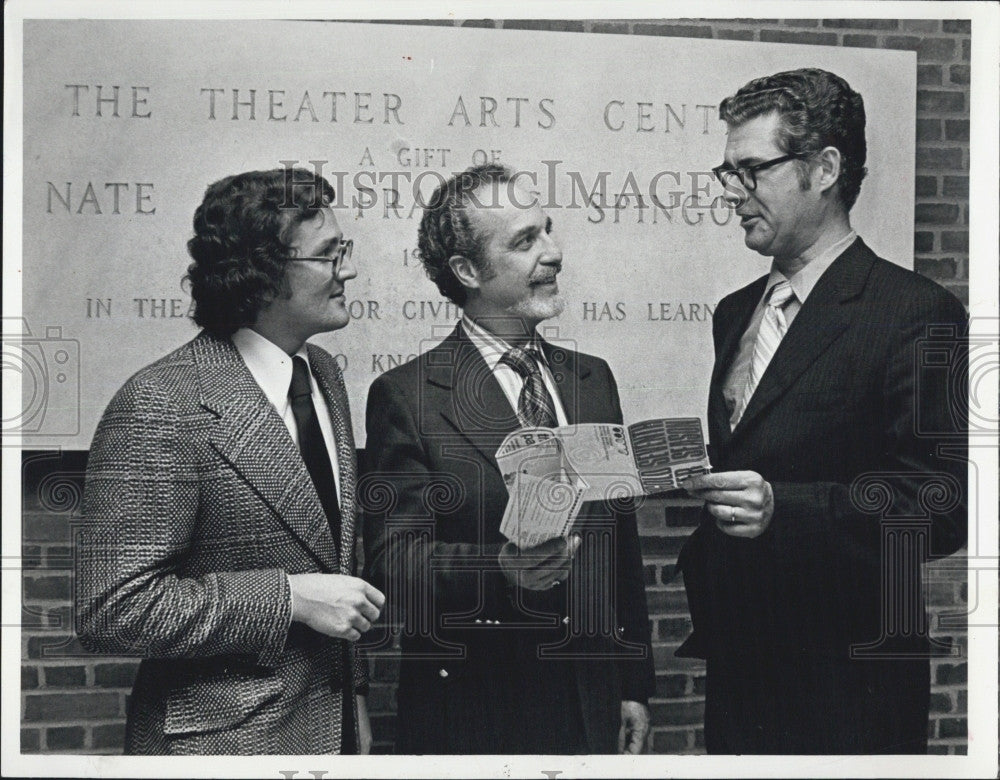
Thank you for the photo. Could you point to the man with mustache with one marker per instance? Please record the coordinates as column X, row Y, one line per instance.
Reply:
column 834, row 480
column 218, row 531
column 539, row 650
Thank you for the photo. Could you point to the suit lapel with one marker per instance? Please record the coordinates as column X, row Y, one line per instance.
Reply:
column 476, row 406
column 331, row 382
column 252, row 438
column 572, row 382
column 744, row 305
column 823, row 317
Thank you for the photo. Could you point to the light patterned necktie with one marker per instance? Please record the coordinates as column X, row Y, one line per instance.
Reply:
column 534, row 406
column 769, row 336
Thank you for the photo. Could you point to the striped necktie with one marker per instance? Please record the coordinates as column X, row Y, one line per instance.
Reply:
column 534, row 405
column 772, row 330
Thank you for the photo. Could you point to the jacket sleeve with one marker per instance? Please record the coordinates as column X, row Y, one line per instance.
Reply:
column 403, row 496
column 139, row 520
column 923, row 463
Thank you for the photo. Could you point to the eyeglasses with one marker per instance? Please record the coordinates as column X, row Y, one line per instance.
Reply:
column 340, row 254
column 747, row 175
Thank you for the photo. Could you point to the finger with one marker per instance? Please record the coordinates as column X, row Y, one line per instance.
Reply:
column 360, row 623
column 350, row 634
column 634, row 743
column 369, row 611
column 727, row 514
column 722, row 480
column 374, row 595
column 621, row 739
column 716, row 496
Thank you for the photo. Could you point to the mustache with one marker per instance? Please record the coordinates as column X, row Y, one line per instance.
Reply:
column 546, row 276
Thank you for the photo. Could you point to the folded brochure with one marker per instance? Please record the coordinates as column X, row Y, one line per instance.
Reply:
column 551, row 472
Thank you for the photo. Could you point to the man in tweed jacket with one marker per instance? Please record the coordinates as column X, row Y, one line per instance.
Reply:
column 839, row 465
column 208, row 547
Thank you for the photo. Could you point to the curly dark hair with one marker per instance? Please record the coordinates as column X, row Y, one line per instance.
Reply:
column 445, row 229
column 240, row 244
column 817, row 109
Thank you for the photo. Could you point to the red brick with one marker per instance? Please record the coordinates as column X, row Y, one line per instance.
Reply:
column 959, row 74
column 929, row 75
column 29, row 677
column 925, row 185
column 674, row 629
column 939, row 158
column 47, row 588
column 677, row 713
column 928, row 130
column 619, row 28
column 863, row 24
column 937, row 750
column 906, row 42
column 921, row 25
column 923, row 242
column 109, row 735
column 939, row 101
column 31, row 556
column 550, row 25
column 956, row 185
column 661, row 546
column 69, row 706
column 735, row 35
column 863, row 41
column 936, row 213
column 934, row 268
column 790, row 36
column 671, row 686
column 699, row 685
column 651, row 575
column 928, row 49
column 940, row 702
column 957, row 26
column 665, row 742
column 670, row 601
column 485, row 23
column 954, row 242
column 31, row 740
column 64, row 738
column 44, row 528
column 952, row 674
column 115, row 675
column 963, row 701
column 800, row 22
column 956, row 129
column 966, row 49
column 674, row 30
column 952, row 727
column 65, row 676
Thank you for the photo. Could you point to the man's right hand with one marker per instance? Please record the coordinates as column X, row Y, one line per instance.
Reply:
column 335, row 604
column 539, row 567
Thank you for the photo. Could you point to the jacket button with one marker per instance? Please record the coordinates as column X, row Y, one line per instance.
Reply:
column 443, row 672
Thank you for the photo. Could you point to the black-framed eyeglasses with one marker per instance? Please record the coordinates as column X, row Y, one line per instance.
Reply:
column 747, row 175
column 340, row 254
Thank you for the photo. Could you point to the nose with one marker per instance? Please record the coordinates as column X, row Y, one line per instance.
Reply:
column 734, row 195
column 347, row 270
column 551, row 251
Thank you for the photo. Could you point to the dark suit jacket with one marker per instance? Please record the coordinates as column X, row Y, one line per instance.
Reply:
column 851, row 430
column 480, row 660
column 197, row 504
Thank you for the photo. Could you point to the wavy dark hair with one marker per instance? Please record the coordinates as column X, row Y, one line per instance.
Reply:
column 240, row 244
column 445, row 229
column 817, row 109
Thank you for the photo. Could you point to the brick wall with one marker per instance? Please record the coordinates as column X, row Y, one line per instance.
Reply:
column 74, row 702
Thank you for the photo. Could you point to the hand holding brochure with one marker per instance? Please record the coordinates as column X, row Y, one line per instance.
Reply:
column 551, row 472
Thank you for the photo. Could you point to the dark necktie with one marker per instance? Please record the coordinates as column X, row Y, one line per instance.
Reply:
column 534, row 406
column 311, row 444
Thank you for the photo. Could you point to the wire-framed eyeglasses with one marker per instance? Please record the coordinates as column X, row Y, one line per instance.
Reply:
column 340, row 254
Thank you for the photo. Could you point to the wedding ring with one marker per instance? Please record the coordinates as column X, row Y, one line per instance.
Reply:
column 732, row 517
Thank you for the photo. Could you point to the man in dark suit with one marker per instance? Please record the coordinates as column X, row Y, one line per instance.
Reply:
column 833, row 480
column 537, row 650
column 219, row 515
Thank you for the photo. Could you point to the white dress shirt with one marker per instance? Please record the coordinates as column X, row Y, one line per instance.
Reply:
column 492, row 348
column 271, row 368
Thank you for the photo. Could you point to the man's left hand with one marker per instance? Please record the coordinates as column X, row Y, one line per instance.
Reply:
column 741, row 502
column 634, row 729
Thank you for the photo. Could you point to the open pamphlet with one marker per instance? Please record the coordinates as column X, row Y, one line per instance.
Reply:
column 551, row 472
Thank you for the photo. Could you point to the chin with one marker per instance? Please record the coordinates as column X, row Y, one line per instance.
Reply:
column 539, row 308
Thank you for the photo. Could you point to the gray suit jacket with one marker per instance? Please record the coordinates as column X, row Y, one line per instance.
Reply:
column 197, row 505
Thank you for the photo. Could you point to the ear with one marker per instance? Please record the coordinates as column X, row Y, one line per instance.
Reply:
column 465, row 271
column 829, row 168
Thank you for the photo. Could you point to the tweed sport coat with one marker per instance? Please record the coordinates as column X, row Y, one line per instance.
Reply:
column 814, row 633
column 433, row 498
column 196, row 507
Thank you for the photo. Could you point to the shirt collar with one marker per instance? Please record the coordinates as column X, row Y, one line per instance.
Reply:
column 804, row 280
column 269, row 364
column 492, row 347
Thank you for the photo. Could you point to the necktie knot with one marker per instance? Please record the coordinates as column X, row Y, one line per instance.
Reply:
column 301, row 386
column 522, row 360
column 781, row 294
